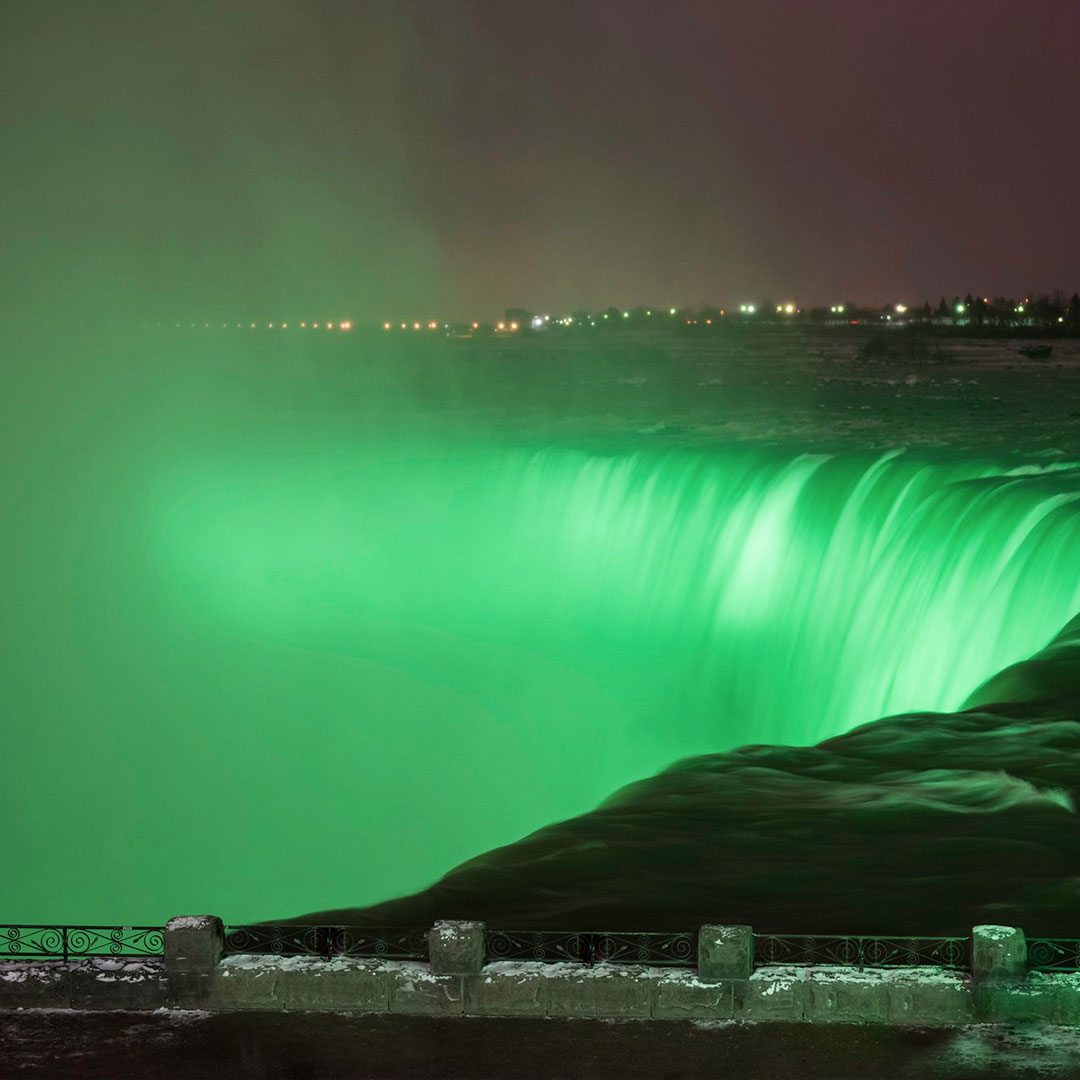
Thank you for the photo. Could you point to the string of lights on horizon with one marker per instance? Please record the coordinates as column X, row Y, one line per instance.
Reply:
column 707, row 316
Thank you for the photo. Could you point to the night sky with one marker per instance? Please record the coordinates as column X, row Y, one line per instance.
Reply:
column 452, row 158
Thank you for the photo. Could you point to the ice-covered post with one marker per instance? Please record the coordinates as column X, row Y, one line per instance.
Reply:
column 456, row 947
column 193, row 945
column 998, row 953
column 725, row 952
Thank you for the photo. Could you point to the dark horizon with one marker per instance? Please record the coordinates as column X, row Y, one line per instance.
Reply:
column 471, row 156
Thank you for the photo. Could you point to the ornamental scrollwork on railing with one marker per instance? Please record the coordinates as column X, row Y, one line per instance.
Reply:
column 657, row 950
column 1053, row 954
column 390, row 943
column 62, row 942
column 863, row 951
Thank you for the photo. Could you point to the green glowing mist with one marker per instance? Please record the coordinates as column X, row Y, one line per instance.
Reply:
column 263, row 656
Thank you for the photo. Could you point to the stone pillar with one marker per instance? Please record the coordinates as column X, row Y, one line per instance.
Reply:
column 999, row 967
column 725, row 952
column 193, row 944
column 193, row 947
column 998, row 953
column 456, row 947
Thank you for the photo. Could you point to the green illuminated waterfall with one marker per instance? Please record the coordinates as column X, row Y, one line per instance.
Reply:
column 324, row 672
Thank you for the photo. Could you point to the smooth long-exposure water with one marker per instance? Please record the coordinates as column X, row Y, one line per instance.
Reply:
column 264, row 657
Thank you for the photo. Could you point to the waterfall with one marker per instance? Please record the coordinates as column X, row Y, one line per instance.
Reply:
column 407, row 654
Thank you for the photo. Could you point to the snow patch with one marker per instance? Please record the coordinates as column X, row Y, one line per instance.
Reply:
column 191, row 922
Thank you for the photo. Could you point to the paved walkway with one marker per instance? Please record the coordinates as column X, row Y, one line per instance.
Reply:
column 151, row 1046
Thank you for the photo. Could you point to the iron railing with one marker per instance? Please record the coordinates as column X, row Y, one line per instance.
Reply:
column 862, row 951
column 43, row 942
column 74, row 942
column 389, row 943
column 657, row 950
column 1053, row 954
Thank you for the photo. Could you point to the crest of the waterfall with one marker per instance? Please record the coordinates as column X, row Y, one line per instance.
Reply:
column 812, row 593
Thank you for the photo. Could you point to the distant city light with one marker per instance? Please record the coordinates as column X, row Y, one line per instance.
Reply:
column 385, row 325
column 626, row 314
column 500, row 326
column 671, row 311
column 416, row 326
column 960, row 309
column 749, row 309
column 433, row 325
column 901, row 309
column 513, row 326
column 789, row 309
column 346, row 325
column 476, row 326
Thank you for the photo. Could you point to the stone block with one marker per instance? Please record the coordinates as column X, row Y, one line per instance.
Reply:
column 930, row 997
column 27, row 984
column 107, row 983
column 508, row 989
column 683, row 995
column 998, row 952
column 1017, row 1002
column 193, row 943
column 190, row 989
column 846, row 996
column 310, row 984
column 456, row 947
column 244, row 982
column 415, row 988
column 772, row 993
column 725, row 952
column 1042, row 997
column 1065, row 987
column 606, row 990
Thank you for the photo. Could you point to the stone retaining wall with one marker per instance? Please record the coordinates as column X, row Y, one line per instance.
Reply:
column 193, row 975
column 926, row 997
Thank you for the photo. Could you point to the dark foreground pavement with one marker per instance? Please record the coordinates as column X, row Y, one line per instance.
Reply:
column 308, row 1045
